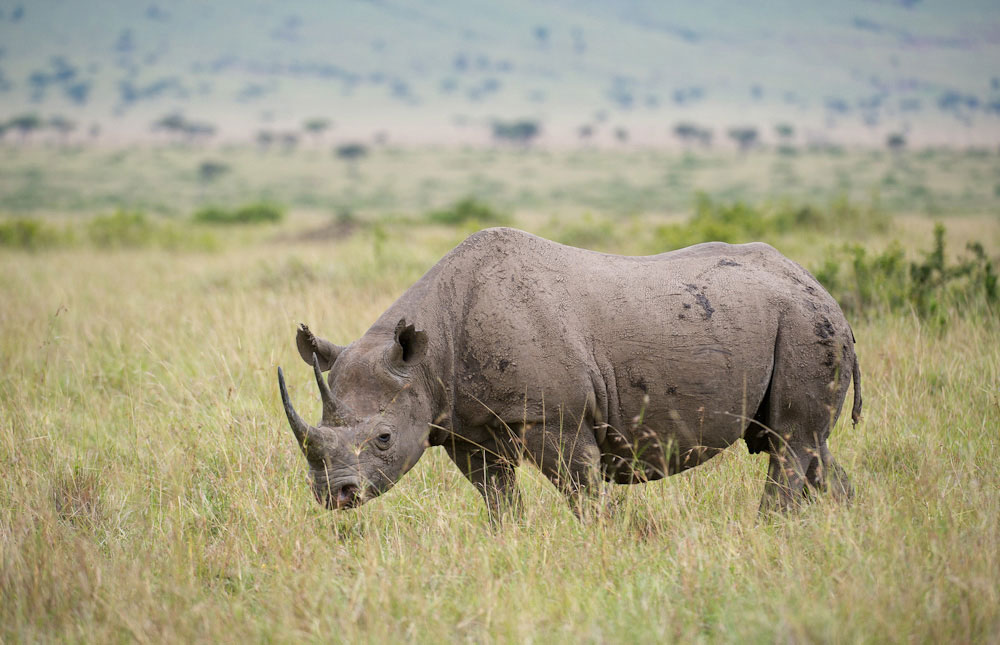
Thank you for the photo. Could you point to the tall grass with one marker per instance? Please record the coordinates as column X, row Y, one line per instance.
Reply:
column 152, row 490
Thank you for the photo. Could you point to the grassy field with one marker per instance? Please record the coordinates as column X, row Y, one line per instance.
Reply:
column 623, row 181
column 152, row 491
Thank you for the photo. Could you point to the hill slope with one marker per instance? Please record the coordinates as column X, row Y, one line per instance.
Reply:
column 440, row 70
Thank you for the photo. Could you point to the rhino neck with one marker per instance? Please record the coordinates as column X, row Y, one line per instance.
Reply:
column 425, row 306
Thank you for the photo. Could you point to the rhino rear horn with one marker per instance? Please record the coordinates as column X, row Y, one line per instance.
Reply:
column 329, row 408
column 309, row 345
column 299, row 427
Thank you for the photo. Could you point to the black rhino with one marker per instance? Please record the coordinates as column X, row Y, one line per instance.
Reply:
column 590, row 366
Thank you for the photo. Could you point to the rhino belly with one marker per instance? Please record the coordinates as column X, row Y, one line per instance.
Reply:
column 683, row 396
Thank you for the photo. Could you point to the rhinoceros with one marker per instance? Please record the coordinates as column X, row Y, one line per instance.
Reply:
column 593, row 367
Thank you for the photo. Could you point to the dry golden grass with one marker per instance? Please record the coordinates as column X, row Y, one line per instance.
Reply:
column 151, row 490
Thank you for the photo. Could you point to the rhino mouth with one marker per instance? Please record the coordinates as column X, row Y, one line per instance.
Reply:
column 343, row 495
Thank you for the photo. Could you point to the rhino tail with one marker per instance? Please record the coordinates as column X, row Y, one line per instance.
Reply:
column 856, row 410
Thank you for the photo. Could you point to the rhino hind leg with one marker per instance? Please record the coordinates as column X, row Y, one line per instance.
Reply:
column 786, row 479
column 825, row 475
column 803, row 402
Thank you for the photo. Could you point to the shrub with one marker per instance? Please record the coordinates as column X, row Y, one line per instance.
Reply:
column 467, row 210
column 741, row 222
column 886, row 282
column 258, row 213
column 28, row 234
column 120, row 229
column 213, row 215
column 585, row 232
column 134, row 229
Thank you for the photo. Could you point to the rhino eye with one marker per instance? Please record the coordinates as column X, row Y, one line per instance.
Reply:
column 382, row 441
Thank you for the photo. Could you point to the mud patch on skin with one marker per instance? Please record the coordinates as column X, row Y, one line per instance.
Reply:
column 726, row 262
column 700, row 298
column 640, row 384
column 824, row 329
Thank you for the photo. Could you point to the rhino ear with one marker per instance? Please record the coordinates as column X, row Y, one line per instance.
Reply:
column 410, row 344
column 308, row 345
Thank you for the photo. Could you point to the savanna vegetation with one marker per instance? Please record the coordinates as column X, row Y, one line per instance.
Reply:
column 152, row 490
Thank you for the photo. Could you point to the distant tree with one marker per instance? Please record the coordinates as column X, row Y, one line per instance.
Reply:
column 621, row 134
column 690, row 133
column 173, row 124
column 521, row 132
column 196, row 130
column 686, row 131
column 744, row 136
column 585, row 131
column 317, row 127
column 25, row 124
column 289, row 140
column 211, row 170
column 265, row 138
column 78, row 92
column 896, row 141
column 62, row 126
column 785, row 131
column 542, row 35
column 177, row 125
column 351, row 152
column 835, row 104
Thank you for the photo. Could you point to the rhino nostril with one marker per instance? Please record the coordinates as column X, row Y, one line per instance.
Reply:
column 348, row 495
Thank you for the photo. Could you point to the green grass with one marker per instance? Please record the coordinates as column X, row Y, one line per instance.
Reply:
column 152, row 491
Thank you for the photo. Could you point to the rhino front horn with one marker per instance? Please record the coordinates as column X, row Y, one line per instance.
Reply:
column 299, row 427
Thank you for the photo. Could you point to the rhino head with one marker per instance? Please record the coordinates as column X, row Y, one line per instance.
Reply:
column 377, row 407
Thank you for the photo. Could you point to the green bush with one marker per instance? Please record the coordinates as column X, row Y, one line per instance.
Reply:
column 118, row 230
column 738, row 221
column 29, row 234
column 467, row 210
column 258, row 213
column 121, row 229
column 261, row 212
column 587, row 232
column 886, row 282
column 134, row 229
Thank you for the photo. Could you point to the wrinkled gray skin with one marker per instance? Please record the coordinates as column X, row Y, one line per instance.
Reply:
column 591, row 366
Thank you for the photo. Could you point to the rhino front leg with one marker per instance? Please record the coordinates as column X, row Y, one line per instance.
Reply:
column 493, row 472
column 571, row 460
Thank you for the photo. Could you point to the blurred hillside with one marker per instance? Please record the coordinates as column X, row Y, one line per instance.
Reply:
column 443, row 71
